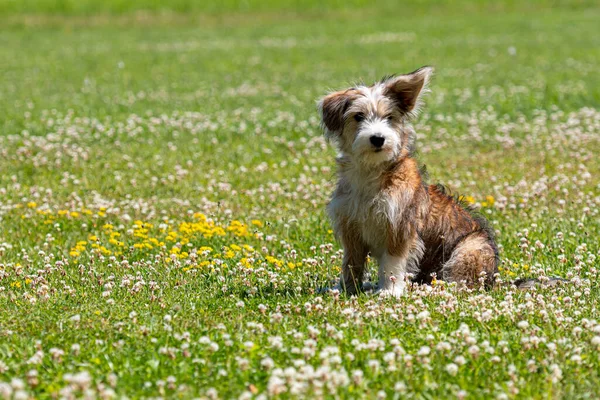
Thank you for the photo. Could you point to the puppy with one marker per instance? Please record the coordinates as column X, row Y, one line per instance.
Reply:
column 382, row 205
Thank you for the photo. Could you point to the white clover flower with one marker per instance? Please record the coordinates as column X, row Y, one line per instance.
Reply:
column 6, row 390
column 20, row 395
column 452, row 369
column 424, row 351
column 17, row 384
column 460, row 360
column 204, row 340
column 523, row 324
column 400, row 387
column 357, row 376
column 374, row 364
column 212, row 393
column 555, row 373
column 267, row 363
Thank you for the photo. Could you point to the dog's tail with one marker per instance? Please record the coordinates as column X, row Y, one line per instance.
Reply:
column 528, row 283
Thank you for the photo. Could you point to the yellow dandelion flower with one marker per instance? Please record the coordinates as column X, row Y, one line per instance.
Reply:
column 246, row 262
column 228, row 254
column 200, row 216
column 274, row 260
column 105, row 251
column 468, row 199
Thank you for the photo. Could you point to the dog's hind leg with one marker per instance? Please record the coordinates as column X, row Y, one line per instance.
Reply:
column 475, row 257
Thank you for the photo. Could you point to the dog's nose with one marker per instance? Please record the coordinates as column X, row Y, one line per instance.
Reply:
column 377, row 141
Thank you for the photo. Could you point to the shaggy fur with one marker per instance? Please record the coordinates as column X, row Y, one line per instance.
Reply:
column 382, row 205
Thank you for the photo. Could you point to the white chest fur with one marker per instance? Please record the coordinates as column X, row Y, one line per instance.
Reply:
column 369, row 211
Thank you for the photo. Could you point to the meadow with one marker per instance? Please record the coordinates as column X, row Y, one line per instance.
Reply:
column 163, row 182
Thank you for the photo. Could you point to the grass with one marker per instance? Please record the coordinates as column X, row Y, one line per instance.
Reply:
column 162, row 225
column 119, row 7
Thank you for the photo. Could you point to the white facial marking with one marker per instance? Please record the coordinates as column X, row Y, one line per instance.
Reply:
column 376, row 141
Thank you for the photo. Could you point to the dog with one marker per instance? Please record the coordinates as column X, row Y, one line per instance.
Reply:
column 382, row 205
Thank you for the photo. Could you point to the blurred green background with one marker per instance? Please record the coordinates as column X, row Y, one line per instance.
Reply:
column 88, row 7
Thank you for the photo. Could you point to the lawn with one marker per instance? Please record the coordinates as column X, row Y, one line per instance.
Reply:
column 163, row 188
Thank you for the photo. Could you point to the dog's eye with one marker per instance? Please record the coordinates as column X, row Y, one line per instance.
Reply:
column 359, row 117
column 389, row 117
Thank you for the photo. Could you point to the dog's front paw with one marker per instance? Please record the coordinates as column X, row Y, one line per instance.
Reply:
column 368, row 287
column 330, row 290
column 393, row 291
column 339, row 289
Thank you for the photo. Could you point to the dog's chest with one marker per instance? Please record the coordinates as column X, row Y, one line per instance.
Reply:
column 370, row 214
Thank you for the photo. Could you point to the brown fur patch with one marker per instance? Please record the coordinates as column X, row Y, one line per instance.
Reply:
column 333, row 107
column 447, row 225
column 405, row 89
column 403, row 182
column 472, row 256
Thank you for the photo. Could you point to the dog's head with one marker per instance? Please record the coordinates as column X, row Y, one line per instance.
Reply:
column 368, row 123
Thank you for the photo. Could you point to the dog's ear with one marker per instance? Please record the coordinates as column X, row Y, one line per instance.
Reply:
column 333, row 107
column 406, row 90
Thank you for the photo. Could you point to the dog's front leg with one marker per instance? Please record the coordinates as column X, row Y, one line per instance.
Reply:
column 353, row 267
column 392, row 274
column 353, row 264
column 397, row 265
